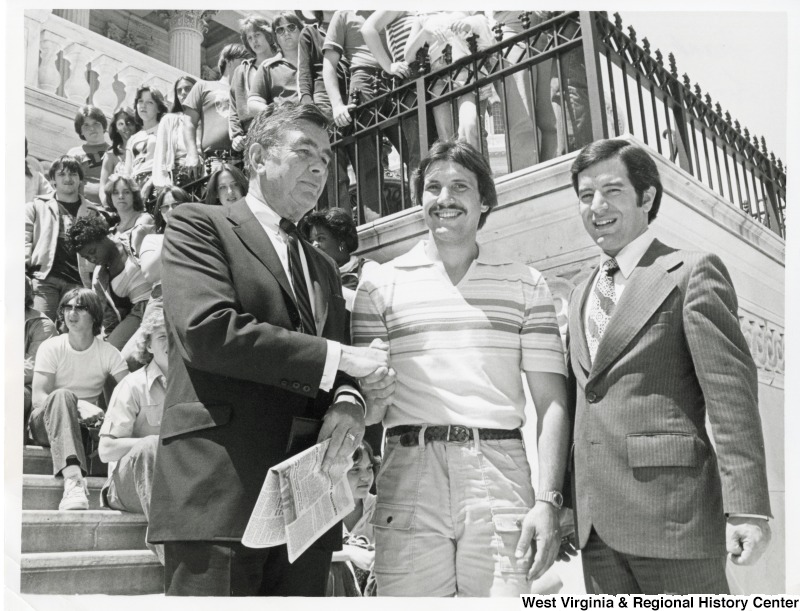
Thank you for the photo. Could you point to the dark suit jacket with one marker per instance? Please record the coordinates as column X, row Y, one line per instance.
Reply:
column 239, row 371
column 645, row 474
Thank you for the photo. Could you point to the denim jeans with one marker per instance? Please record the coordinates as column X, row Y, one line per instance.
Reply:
column 447, row 521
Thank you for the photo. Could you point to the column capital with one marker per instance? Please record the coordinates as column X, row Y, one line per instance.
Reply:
column 193, row 20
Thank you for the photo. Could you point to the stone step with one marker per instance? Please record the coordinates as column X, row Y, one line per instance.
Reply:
column 101, row 572
column 45, row 491
column 82, row 531
column 37, row 460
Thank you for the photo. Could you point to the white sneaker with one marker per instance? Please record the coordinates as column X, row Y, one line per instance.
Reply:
column 76, row 495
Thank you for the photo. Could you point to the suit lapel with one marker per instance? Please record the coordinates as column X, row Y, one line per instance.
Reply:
column 251, row 233
column 578, row 336
column 647, row 288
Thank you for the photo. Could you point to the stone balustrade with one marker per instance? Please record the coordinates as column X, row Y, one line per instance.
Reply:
column 73, row 63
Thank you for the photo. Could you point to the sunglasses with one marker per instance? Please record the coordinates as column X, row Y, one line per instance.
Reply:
column 285, row 29
column 76, row 308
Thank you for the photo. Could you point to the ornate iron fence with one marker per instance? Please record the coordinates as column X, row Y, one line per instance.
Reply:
column 602, row 83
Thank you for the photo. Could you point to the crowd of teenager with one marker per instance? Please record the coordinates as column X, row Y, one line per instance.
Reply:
column 95, row 341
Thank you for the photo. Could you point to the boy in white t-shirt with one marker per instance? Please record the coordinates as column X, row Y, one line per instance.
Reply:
column 70, row 373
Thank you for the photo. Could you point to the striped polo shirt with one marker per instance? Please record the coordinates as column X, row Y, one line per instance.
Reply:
column 459, row 350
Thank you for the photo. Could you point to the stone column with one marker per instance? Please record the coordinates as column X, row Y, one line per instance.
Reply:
column 186, row 29
column 79, row 16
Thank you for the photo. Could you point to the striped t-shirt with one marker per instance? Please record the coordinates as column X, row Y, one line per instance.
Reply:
column 459, row 350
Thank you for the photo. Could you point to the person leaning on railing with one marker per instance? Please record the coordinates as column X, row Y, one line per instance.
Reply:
column 440, row 29
column 207, row 107
column 275, row 82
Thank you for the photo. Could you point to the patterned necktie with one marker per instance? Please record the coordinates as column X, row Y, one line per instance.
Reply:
column 601, row 306
column 298, row 278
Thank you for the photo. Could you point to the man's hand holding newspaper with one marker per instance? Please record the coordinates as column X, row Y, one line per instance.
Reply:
column 299, row 502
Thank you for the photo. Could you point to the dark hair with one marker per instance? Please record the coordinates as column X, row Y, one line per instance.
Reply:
column 269, row 126
column 89, row 112
column 288, row 17
column 117, row 145
column 642, row 170
column 138, row 203
column 176, row 103
column 86, row 297
column 259, row 23
column 374, row 460
column 178, row 194
column 336, row 220
column 211, row 197
column 65, row 162
column 229, row 53
column 158, row 98
column 87, row 230
column 469, row 158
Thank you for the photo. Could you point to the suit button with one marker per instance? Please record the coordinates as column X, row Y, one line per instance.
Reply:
column 592, row 397
column 295, row 385
column 284, row 382
column 306, row 388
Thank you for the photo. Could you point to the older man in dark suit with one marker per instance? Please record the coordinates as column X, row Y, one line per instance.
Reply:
column 655, row 347
column 256, row 329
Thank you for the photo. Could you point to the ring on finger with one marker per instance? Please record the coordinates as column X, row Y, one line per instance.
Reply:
column 351, row 437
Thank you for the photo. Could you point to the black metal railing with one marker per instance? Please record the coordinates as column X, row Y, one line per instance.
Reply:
column 602, row 84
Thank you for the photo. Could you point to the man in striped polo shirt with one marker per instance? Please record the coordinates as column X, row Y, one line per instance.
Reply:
column 456, row 511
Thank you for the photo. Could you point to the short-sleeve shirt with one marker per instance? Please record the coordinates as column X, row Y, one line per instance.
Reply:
column 137, row 405
column 275, row 81
column 90, row 156
column 211, row 100
column 83, row 372
column 459, row 350
column 344, row 36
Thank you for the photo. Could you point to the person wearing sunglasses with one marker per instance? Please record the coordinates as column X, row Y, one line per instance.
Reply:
column 69, row 376
column 276, row 80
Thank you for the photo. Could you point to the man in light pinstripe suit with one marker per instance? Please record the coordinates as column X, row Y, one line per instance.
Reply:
column 655, row 346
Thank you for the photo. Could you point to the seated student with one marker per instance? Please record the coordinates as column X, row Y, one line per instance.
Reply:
column 90, row 125
column 351, row 568
column 70, row 373
column 225, row 186
column 37, row 329
column 124, row 197
column 118, row 277
column 123, row 126
column 129, row 434
column 53, row 267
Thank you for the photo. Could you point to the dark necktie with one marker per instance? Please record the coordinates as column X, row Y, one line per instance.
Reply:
column 601, row 306
column 298, row 278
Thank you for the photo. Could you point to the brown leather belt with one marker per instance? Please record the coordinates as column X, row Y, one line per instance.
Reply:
column 409, row 434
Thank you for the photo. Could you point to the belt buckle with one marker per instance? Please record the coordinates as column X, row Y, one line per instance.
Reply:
column 457, row 434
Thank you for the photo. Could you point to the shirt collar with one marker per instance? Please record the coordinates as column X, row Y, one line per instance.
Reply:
column 153, row 373
column 628, row 258
column 263, row 213
column 425, row 253
column 351, row 265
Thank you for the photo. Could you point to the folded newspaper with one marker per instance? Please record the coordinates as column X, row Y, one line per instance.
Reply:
column 298, row 503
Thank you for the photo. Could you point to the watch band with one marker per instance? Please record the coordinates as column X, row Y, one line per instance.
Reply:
column 554, row 497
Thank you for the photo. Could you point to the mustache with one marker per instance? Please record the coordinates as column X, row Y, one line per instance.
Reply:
column 440, row 207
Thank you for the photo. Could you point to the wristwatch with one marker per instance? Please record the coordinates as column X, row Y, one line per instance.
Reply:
column 553, row 497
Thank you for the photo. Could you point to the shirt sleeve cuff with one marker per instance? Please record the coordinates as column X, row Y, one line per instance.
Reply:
column 349, row 393
column 332, row 358
column 748, row 515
